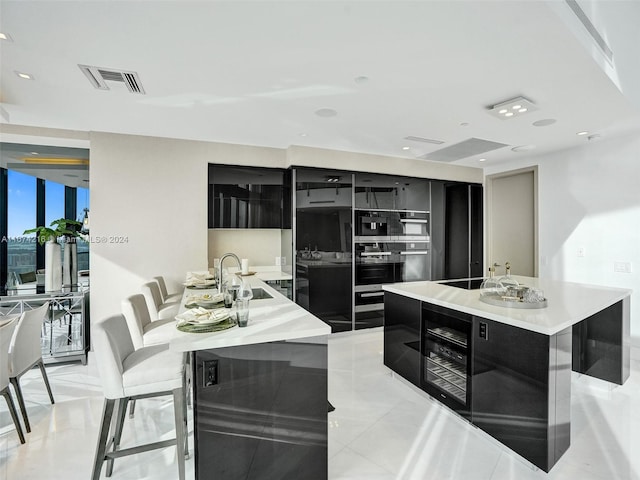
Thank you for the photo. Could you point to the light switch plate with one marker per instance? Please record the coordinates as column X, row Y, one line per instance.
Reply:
column 622, row 267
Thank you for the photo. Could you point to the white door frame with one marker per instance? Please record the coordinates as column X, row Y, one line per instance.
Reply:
column 488, row 208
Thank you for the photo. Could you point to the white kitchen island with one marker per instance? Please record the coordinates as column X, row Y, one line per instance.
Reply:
column 508, row 370
column 260, row 393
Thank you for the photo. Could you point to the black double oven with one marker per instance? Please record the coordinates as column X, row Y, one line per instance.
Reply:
column 389, row 246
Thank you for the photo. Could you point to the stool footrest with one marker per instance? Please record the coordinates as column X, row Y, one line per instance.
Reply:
column 140, row 449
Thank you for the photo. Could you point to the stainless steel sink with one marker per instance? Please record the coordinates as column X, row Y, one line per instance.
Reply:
column 260, row 294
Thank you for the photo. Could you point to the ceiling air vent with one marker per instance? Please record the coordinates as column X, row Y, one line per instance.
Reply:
column 467, row 148
column 100, row 76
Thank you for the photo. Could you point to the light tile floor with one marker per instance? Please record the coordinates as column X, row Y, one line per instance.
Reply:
column 382, row 428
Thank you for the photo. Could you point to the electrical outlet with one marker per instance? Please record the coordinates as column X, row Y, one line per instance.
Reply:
column 283, row 261
column 622, row 267
column 209, row 373
column 581, row 252
column 278, row 261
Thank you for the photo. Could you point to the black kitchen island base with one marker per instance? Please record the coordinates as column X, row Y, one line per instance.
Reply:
column 513, row 383
column 260, row 411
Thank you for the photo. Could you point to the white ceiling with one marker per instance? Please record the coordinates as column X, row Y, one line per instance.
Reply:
column 255, row 73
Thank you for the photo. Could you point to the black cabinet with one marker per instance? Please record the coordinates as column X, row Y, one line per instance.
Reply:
column 324, row 244
column 402, row 336
column 249, row 197
column 457, row 230
column 521, row 389
column 391, row 192
column 260, row 411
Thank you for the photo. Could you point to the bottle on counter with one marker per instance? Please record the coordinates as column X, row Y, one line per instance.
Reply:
column 492, row 286
column 507, row 280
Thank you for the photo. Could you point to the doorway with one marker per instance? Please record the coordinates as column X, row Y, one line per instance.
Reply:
column 512, row 221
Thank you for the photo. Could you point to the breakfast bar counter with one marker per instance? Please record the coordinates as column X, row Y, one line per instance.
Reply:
column 260, row 392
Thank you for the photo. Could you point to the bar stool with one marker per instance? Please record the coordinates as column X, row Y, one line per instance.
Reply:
column 144, row 330
column 25, row 353
column 129, row 374
column 166, row 296
column 158, row 309
column 6, row 333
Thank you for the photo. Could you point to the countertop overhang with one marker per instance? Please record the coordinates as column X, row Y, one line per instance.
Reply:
column 270, row 320
column 568, row 303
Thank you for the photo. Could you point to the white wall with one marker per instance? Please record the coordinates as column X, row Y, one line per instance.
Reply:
column 589, row 198
column 153, row 191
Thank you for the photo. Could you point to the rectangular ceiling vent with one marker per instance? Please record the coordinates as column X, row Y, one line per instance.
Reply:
column 423, row 140
column 100, row 76
column 467, row 148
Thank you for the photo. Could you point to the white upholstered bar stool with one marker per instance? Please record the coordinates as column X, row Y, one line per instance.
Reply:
column 166, row 296
column 158, row 309
column 144, row 330
column 25, row 352
column 6, row 333
column 127, row 374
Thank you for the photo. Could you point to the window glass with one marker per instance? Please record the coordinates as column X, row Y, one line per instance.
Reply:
column 21, row 249
column 82, row 202
column 54, row 201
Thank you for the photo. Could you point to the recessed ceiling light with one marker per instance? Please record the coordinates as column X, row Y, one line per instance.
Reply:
column 482, row 159
column 361, row 80
column 326, row 112
column 464, row 124
column 5, row 36
column 544, row 122
column 302, row 134
column 34, row 153
column 582, row 133
column 406, row 148
column 25, row 76
column 512, row 108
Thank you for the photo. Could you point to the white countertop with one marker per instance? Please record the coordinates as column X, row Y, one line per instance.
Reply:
column 264, row 273
column 568, row 303
column 270, row 320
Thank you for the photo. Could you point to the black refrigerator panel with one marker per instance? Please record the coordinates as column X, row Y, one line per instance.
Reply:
column 476, row 223
column 463, row 230
column 437, row 230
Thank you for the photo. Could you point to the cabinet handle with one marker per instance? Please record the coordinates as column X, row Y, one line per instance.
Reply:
column 419, row 252
column 375, row 294
column 374, row 254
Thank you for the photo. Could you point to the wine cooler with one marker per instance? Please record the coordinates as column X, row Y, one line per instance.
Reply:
column 446, row 356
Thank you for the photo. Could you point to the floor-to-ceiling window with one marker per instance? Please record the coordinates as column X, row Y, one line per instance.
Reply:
column 21, row 215
column 27, row 202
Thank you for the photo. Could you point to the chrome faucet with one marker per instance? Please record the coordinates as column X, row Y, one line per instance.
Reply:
column 222, row 259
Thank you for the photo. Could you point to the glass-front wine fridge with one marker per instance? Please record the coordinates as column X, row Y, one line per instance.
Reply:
column 446, row 356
